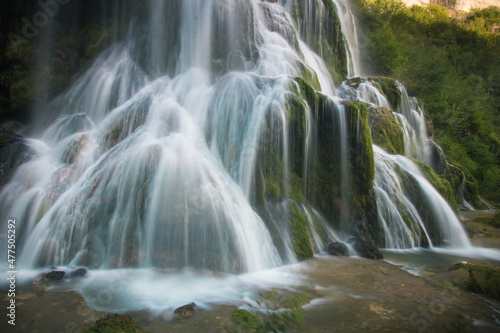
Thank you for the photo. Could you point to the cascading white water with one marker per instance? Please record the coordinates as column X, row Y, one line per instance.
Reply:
column 151, row 157
column 408, row 113
column 145, row 169
column 405, row 225
column 350, row 33
column 403, row 215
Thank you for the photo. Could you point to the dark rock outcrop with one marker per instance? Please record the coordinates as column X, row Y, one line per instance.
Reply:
column 13, row 152
column 54, row 276
column 338, row 249
column 185, row 311
column 77, row 273
column 366, row 250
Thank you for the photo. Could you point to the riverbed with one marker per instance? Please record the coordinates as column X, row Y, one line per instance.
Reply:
column 408, row 291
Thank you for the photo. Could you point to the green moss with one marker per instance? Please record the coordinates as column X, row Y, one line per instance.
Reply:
column 406, row 219
column 290, row 309
column 439, row 183
column 446, row 285
column 361, row 148
column 246, row 319
column 481, row 279
column 260, row 185
column 318, row 228
column 324, row 169
column 467, row 190
column 271, row 159
column 276, row 299
column 450, row 63
column 309, row 76
column 305, row 91
column 389, row 88
column 44, row 207
column 113, row 137
column 367, row 147
column 327, row 40
column 386, row 131
column 492, row 221
column 114, row 324
column 273, row 188
column 300, row 235
column 295, row 187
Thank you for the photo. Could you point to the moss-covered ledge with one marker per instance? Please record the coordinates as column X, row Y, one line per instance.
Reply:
column 386, row 130
column 440, row 183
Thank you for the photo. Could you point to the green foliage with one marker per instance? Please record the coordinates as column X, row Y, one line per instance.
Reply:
column 114, row 324
column 453, row 65
column 388, row 51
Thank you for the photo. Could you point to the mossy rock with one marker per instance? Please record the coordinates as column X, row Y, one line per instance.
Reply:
column 185, row 311
column 236, row 41
column 126, row 123
column 310, row 76
column 439, row 183
column 482, row 279
column 420, row 201
column 303, row 90
column 300, row 233
column 464, row 185
column 284, row 299
column 320, row 186
column 389, row 87
column 246, row 319
column 114, row 324
column 326, row 39
column 386, row 130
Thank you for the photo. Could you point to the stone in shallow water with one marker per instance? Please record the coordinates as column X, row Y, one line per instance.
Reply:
column 185, row 311
column 80, row 272
column 338, row 249
column 366, row 250
column 54, row 276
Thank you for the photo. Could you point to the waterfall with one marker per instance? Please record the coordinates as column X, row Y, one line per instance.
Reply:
column 350, row 32
column 411, row 212
column 211, row 135
column 409, row 206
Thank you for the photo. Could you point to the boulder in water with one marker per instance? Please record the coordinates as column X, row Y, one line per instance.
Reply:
column 338, row 249
column 185, row 311
column 366, row 250
column 77, row 273
column 55, row 276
